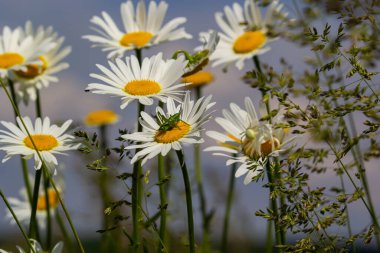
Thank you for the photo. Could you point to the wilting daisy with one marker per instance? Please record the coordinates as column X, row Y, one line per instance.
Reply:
column 101, row 118
column 37, row 248
column 200, row 59
column 36, row 76
column 246, row 140
column 16, row 51
column 142, row 28
column 49, row 140
column 156, row 78
column 178, row 125
column 245, row 32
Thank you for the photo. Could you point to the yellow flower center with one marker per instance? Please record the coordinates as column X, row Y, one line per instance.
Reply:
column 199, row 78
column 101, row 117
column 8, row 60
column 249, row 41
column 44, row 142
column 174, row 134
column 53, row 200
column 33, row 70
column 266, row 147
column 138, row 39
column 142, row 87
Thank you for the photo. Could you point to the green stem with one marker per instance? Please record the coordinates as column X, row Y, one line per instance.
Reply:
column 48, row 213
column 269, row 240
column 33, row 224
column 24, row 165
column 189, row 203
column 66, row 237
column 17, row 221
column 274, row 206
column 201, row 193
column 227, row 214
column 44, row 167
column 163, row 203
column 137, row 191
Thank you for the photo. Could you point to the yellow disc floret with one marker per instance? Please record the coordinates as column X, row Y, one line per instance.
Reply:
column 43, row 142
column 101, row 117
column 53, row 200
column 174, row 134
column 33, row 70
column 249, row 41
column 8, row 60
column 198, row 79
column 142, row 87
column 138, row 39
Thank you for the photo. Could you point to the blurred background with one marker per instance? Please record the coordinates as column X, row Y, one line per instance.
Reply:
column 67, row 100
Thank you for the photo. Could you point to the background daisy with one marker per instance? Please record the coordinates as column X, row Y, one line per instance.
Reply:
column 16, row 51
column 178, row 125
column 154, row 79
column 245, row 33
column 49, row 140
column 142, row 28
column 36, row 76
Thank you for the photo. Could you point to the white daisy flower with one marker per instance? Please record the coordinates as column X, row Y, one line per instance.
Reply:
column 200, row 59
column 22, row 208
column 155, row 78
column 246, row 140
column 48, row 139
column 41, row 75
column 142, row 28
column 37, row 248
column 178, row 125
column 16, row 51
column 245, row 32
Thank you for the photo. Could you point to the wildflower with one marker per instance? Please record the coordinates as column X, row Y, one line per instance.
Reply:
column 178, row 125
column 198, row 79
column 38, row 249
column 41, row 74
column 155, row 78
column 16, row 51
column 141, row 28
column 248, row 141
column 245, row 32
column 101, row 118
column 49, row 140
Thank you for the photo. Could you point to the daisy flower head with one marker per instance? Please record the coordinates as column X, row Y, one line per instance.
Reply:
column 37, row 248
column 22, row 208
column 154, row 79
column 245, row 33
column 200, row 59
column 16, row 51
column 246, row 140
column 41, row 74
column 142, row 28
column 49, row 140
column 101, row 118
column 177, row 125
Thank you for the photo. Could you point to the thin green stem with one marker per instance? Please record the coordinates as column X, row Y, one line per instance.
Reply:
column 66, row 237
column 24, row 165
column 17, row 221
column 269, row 240
column 274, row 206
column 163, row 203
column 48, row 213
column 137, row 191
column 227, row 214
column 189, row 203
column 44, row 167
column 33, row 224
column 202, row 197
